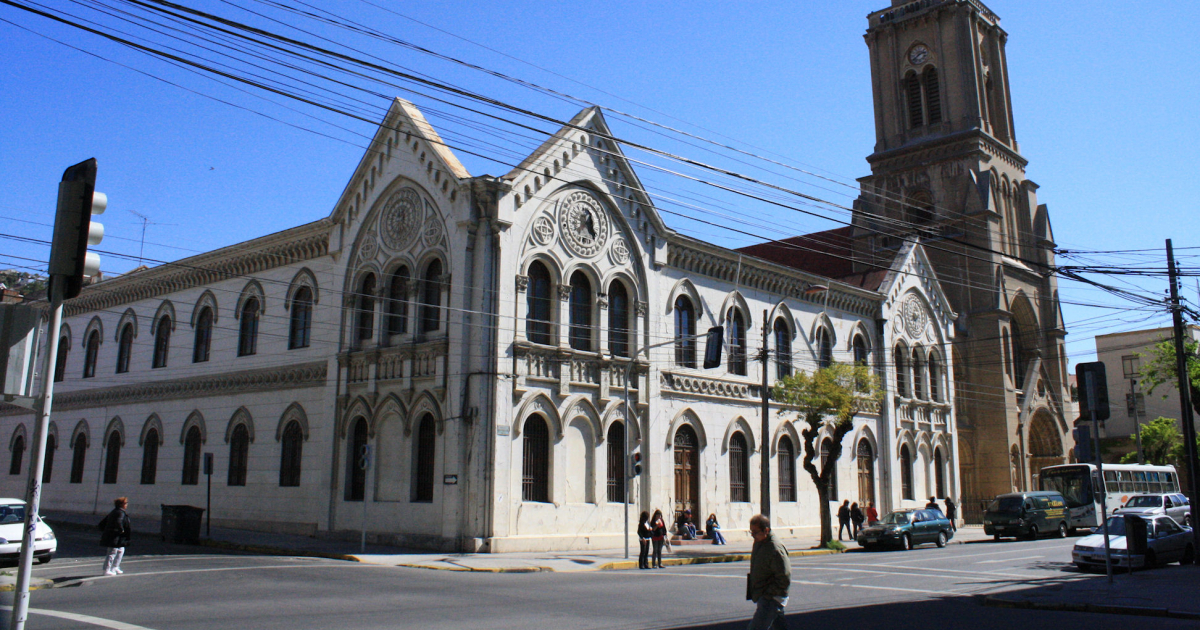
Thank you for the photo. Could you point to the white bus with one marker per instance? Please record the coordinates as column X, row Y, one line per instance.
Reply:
column 1076, row 482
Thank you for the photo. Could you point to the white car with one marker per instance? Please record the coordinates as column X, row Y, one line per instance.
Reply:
column 12, row 517
column 1174, row 505
column 1166, row 541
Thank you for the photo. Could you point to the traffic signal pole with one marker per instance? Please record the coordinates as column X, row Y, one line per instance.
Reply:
column 1185, row 403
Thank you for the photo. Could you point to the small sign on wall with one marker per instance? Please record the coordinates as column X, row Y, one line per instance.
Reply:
column 450, row 480
column 502, row 429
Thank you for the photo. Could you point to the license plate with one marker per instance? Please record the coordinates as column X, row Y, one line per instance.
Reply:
column 872, row 540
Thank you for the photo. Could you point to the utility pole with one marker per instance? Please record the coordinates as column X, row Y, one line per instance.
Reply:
column 764, row 458
column 1137, row 422
column 1185, row 390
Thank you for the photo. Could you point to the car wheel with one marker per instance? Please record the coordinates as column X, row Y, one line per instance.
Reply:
column 45, row 559
column 1071, row 531
column 1062, row 530
column 1151, row 560
column 1189, row 556
column 996, row 537
column 906, row 542
column 941, row 541
column 1033, row 532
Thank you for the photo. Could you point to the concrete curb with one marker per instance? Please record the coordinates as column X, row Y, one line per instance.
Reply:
column 34, row 585
column 480, row 569
column 997, row 601
column 620, row 565
column 275, row 551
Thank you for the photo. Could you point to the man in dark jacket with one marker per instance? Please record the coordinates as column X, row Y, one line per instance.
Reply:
column 116, row 530
column 770, row 576
column 952, row 513
column 844, row 520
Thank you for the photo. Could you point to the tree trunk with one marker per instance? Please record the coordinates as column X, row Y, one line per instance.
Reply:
column 826, row 517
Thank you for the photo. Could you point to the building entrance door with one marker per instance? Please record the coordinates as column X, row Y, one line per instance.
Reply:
column 687, row 472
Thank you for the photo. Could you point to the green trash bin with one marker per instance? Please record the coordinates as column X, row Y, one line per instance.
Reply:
column 181, row 524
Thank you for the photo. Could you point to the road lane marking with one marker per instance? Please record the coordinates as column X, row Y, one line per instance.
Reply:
column 927, row 575
column 278, row 566
column 1009, row 559
column 95, row 621
column 967, row 556
column 811, row 583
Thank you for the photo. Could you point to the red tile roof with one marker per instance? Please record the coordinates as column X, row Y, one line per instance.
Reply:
column 825, row 253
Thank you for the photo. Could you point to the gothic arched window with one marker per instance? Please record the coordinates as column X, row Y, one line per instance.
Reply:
column 397, row 307
column 300, row 322
column 860, row 350
column 783, row 348
column 112, row 457
column 48, row 467
column 739, row 469
column 787, row 469
column 826, row 454
column 124, row 348
column 290, row 458
column 364, row 321
column 906, row 474
column 581, row 312
column 685, row 329
column 239, row 455
column 918, row 374
column 162, row 342
column 933, row 95
column 425, row 449
column 203, row 338
column 18, row 454
column 618, row 320
column 79, row 454
column 616, row 462
column 431, row 297
column 912, row 97
column 91, row 353
column 191, row 457
column 824, row 348
column 540, row 305
column 356, row 476
column 60, row 360
column 248, row 329
column 535, row 467
column 935, row 378
column 737, row 342
column 150, row 457
column 900, row 358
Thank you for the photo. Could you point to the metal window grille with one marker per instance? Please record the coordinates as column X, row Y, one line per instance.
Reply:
column 426, row 449
column 356, row 477
column 162, row 342
column 535, row 478
column 739, row 490
column 203, row 340
column 77, row 459
column 239, row 452
column 293, row 447
column 112, row 458
column 866, row 472
column 906, row 474
column 787, row 470
column 191, row 457
column 616, row 463
column 124, row 348
column 150, row 458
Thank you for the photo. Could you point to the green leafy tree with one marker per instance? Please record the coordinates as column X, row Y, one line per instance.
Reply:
column 1162, row 443
column 828, row 398
column 1160, row 368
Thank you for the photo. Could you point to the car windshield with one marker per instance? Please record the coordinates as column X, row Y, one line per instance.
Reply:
column 1006, row 504
column 1144, row 502
column 12, row 514
column 1116, row 526
column 897, row 518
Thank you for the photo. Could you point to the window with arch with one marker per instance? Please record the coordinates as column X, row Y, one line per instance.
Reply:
column 581, row 312
column 239, row 456
column 616, row 462
column 203, row 337
column 248, row 328
column 912, row 94
column 162, row 342
column 112, row 457
column 423, row 457
column 1007, row 353
column 18, row 454
column 48, row 466
column 291, row 455
column 900, row 358
column 300, row 319
column 535, row 465
column 60, row 360
column 150, row 457
column 191, row 456
column 859, row 346
column 356, row 477
column 737, row 342
column 906, row 473
column 91, row 353
column 919, row 210
column 865, row 456
column 936, row 374
column 618, row 320
column 826, row 456
column 783, row 348
column 685, row 330
column 933, row 95
column 124, row 348
column 78, row 457
column 787, row 469
column 923, row 99
column 538, row 325
column 397, row 306
column 918, row 373
column 364, row 317
column 939, row 473
column 431, row 297
column 824, row 348
column 1021, row 353
column 739, row 469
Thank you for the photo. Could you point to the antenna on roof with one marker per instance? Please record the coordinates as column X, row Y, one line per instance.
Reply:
column 145, row 221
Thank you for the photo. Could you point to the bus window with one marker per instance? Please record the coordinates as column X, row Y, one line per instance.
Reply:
column 1126, row 481
column 1139, row 482
column 1153, row 482
column 1110, row 481
column 1171, row 484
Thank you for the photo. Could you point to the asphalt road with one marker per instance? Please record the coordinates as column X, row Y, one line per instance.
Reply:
column 170, row 586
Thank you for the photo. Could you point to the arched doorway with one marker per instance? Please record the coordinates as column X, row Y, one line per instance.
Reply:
column 1045, row 445
column 687, row 471
column 866, row 471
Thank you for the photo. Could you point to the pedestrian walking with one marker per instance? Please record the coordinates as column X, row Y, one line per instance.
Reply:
column 115, row 536
column 856, row 517
column 844, row 518
column 872, row 513
column 643, row 532
column 952, row 513
column 713, row 527
column 932, row 505
column 658, row 537
column 770, row 576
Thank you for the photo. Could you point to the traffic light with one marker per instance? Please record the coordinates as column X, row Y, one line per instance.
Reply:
column 712, row 347
column 74, row 230
column 635, row 465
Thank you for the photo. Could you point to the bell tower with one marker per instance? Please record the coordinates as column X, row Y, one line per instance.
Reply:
column 947, row 170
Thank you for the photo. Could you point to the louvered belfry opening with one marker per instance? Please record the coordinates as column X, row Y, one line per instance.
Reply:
column 912, row 90
column 933, row 95
column 535, row 478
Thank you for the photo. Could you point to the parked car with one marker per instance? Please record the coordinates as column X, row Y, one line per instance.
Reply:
column 1174, row 505
column 1166, row 541
column 1026, row 514
column 12, row 519
column 906, row 528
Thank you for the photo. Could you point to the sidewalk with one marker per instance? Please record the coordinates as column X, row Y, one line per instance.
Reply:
column 1168, row 591
column 524, row 562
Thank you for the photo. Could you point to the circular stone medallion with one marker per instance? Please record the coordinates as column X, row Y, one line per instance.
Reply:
column 400, row 221
column 620, row 251
column 543, row 230
column 913, row 315
column 583, row 223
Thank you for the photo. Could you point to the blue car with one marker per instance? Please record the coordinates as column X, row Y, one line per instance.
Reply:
column 907, row 528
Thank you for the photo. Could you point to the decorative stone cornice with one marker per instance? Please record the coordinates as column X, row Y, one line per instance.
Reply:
column 960, row 144
column 298, row 244
column 696, row 385
column 246, row 381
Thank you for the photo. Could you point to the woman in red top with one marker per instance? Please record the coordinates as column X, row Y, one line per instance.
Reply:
column 872, row 514
column 658, row 536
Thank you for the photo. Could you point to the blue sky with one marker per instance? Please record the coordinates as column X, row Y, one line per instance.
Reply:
column 1104, row 95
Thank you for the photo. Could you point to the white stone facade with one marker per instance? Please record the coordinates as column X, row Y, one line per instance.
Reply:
column 450, row 315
